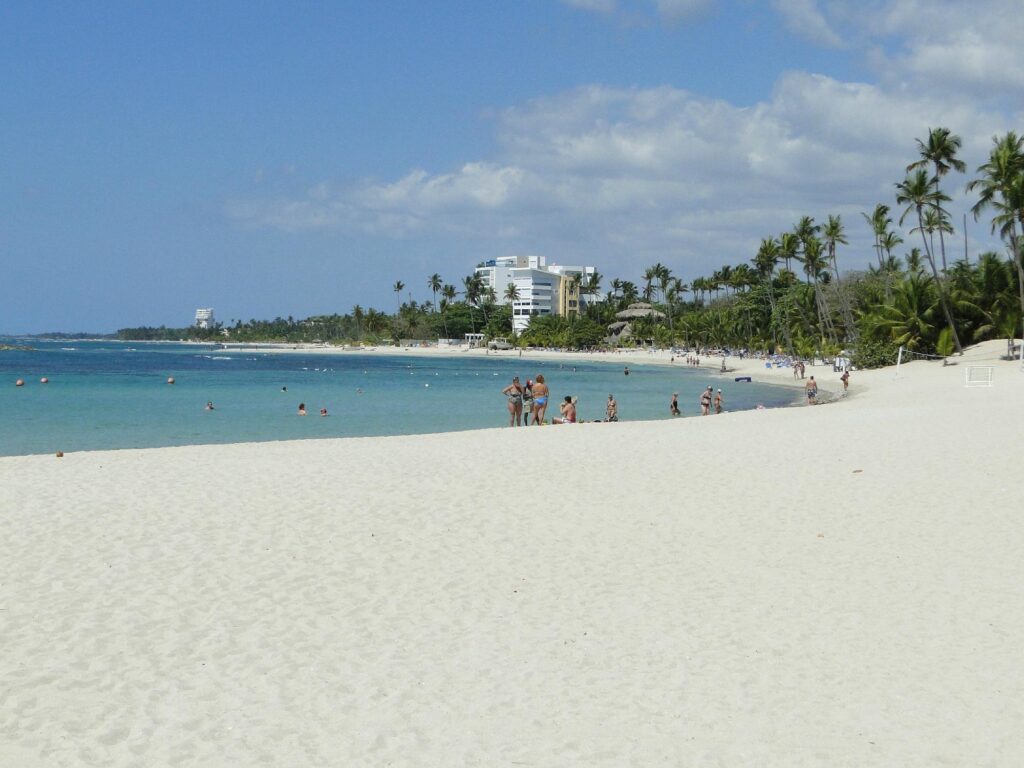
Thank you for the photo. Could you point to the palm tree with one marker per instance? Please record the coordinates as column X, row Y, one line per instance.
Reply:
column 834, row 234
column 789, row 244
column 1001, row 187
column 511, row 293
column 916, row 193
column 434, row 284
column 939, row 151
column 767, row 257
column 397, row 288
column 357, row 316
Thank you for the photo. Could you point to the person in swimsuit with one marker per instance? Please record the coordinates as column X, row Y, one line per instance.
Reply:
column 514, row 393
column 845, row 378
column 673, row 407
column 611, row 411
column 568, row 409
column 718, row 402
column 527, row 402
column 812, row 391
column 540, row 399
column 209, row 405
column 705, row 402
column 302, row 409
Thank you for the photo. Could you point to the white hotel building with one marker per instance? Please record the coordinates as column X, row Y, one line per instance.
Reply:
column 543, row 289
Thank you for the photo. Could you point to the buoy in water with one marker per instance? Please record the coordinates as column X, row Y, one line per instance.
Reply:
column 170, row 379
column 44, row 380
column 19, row 383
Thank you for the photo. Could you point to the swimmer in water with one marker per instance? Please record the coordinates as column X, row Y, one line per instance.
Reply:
column 209, row 405
column 302, row 409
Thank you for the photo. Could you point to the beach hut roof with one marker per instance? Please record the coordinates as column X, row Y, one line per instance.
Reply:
column 639, row 309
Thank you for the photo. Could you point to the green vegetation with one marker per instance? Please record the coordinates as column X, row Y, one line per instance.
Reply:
column 791, row 297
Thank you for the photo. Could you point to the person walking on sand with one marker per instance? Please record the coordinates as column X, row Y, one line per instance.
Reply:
column 673, row 407
column 718, row 402
column 845, row 378
column 540, row 399
column 611, row 410
column 514, row 393
column 705, row 401
column 812, row 391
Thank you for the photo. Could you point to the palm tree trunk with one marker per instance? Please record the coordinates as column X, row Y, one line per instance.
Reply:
column 938, row 285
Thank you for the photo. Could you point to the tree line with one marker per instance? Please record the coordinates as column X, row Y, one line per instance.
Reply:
column 791, row 296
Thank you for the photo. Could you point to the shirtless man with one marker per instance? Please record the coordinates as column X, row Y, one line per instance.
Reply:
column 568, row 409
column 540, row 399
column 812, row 391
column 845, row 378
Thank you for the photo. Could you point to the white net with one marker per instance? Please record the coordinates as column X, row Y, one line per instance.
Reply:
column 979, row 376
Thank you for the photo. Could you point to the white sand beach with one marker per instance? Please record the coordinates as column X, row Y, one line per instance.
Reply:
column 834, row 586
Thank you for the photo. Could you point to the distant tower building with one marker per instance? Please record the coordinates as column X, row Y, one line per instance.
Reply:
column 204, row 318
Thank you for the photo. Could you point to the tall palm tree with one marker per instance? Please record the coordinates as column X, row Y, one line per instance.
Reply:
column 789, row 244
column 435, row 283
column 939, row 151
column 834, row 234
column 1001, row 187
column 916, row 193
column 511, row 293
column 768, row 255
column 397, row 288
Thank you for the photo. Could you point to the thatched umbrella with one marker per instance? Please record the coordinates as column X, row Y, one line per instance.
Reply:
column 640, row 309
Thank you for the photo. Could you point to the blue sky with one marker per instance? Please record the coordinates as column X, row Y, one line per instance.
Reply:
column 291, row 159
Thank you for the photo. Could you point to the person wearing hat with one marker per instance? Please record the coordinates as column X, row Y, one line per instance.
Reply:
column 718, row 402
column 705, row 401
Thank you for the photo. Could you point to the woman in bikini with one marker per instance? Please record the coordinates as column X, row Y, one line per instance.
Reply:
column 540, row 399
column 514, row 393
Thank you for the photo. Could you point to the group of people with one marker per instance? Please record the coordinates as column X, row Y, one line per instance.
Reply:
column 528, row 401
column 528, row 404
column 708, row 399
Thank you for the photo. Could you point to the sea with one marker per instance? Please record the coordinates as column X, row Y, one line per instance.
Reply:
column 105, row 395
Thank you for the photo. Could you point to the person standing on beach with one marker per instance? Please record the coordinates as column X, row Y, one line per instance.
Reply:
column 611, row 410
column 705, row 402
column 673, row 407
column 718, row 402
column 514, row 393
column 845, row 378
column 540, row 399
column 812, row 391
column 527, row 402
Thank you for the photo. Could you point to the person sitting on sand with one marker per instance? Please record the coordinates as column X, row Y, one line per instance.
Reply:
column 673, row 407
column 611, row 410
column 540, row 399
column 568, row 409
column 514, row 393
column 718, row 402
column 812, row 391
column 302, row 409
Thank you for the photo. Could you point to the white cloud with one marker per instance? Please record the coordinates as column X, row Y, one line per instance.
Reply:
column 957, row 49
column 598, row 6
column 626, row 175
column 804, row 18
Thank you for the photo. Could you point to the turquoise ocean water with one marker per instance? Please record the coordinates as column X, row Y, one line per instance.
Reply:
column 104, row 395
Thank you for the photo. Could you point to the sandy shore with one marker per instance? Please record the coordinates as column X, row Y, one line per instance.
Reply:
column 830, row 586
